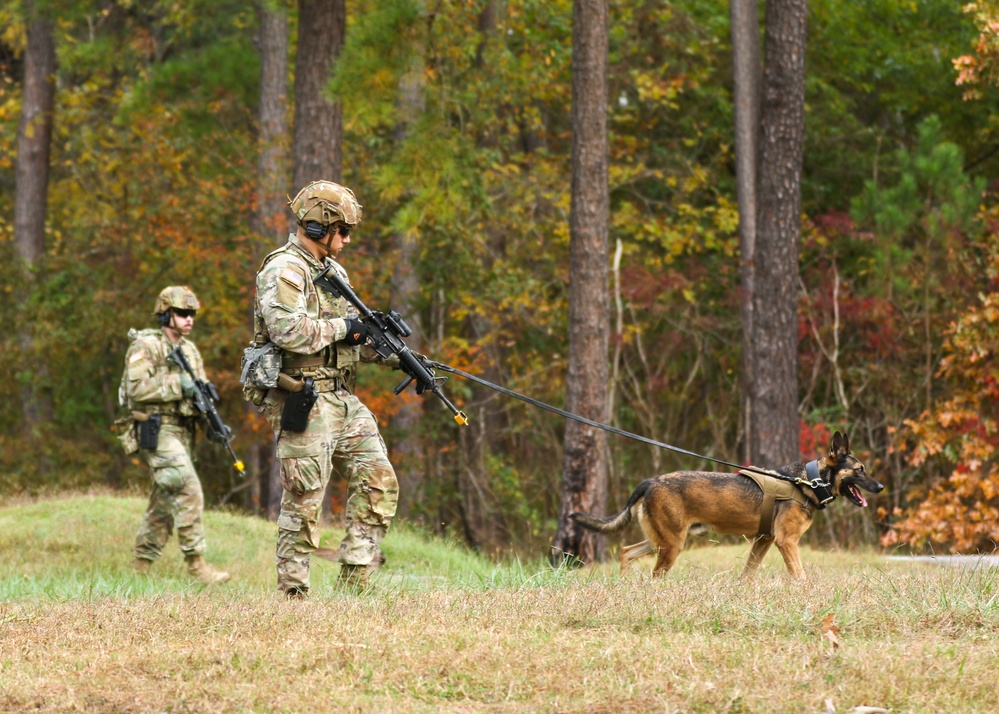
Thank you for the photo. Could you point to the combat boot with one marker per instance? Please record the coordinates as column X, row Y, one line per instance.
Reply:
column 141, row 566
column 354, row 578
column 201, row 571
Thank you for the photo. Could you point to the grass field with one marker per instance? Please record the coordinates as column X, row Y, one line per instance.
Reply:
column 445, row 630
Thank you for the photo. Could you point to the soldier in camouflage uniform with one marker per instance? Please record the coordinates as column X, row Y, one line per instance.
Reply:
column 153, row 386
column 320, row 337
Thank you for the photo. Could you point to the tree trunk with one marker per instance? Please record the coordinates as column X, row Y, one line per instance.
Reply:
column 774, row 439
column 34, row 136
column 272, row 160
column 318, row 121
column 746, row 89
column 584, row 463
column 270, row 220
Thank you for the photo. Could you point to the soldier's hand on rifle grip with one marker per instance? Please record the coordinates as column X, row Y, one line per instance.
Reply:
column 357, row 332
column 186, row 385
column 218, row 438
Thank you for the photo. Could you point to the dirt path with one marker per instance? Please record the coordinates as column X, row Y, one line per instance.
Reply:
column 954, row 561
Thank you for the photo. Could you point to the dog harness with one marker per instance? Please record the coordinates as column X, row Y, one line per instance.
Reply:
column 775, row 489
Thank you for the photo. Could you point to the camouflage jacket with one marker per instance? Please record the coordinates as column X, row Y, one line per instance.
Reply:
column 301, row 319
column 150, row 383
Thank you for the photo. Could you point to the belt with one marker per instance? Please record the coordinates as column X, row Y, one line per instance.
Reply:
column 169, row 419
column 299, row 362
column 330, row 384
column 172, row 420
column 288, row 383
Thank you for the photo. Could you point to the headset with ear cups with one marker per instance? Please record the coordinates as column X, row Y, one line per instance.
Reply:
column 163, row 318
column 315, row 230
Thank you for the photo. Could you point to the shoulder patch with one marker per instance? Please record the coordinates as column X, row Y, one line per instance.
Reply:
column 136, row 356
column 293, row 277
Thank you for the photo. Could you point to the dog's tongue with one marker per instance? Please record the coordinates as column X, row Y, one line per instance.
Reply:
column 856, row 492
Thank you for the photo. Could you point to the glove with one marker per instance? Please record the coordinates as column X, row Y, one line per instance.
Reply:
column 357, row 332
column 186, row 385
column 217, row 438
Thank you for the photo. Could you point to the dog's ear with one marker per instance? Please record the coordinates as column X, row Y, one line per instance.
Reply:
column 839, row 448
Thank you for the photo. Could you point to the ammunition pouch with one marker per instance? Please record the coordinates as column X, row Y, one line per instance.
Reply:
column 254, row 395
column 124, row 429
column 297, row 405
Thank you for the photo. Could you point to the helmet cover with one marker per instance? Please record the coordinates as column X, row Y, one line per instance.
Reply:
column 326, row 202
column 178, row 296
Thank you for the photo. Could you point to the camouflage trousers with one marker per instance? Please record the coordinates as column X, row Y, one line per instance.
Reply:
column 176, row 500
column 342, row 435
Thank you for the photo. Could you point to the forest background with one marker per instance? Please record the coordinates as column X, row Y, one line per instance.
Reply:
column 154, row 168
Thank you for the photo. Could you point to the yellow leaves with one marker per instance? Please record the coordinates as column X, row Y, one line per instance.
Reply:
column 657, row 90
column 949, row 418
column 14, row 34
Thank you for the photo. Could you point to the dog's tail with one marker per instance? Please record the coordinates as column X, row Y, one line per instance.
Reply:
column 613, row 524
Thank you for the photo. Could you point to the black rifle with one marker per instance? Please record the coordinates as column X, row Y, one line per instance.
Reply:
column 205, row 396
column 385, row 332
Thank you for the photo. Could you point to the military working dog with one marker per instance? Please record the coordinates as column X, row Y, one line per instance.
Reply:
column 772, row 509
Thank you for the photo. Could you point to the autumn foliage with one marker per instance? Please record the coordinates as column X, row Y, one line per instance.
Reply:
column 153, row 182
column 955, row 444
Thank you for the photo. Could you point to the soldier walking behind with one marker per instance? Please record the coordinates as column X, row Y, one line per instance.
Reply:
column 319, row 423
column 160, row 424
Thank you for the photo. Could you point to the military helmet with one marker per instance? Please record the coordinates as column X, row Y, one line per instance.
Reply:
column 178, row 296
column 326, row 202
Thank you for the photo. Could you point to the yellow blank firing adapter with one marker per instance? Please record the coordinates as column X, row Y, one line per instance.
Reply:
column 461, row 418
column 239, row 466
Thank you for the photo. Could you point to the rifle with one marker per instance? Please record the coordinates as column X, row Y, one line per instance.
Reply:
column 386, row 332
column 205, row 396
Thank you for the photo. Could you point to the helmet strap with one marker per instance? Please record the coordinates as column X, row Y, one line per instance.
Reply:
column 169, row 326
column 316, row 231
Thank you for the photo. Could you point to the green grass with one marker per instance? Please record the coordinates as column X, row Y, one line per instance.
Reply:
column 81, row 548
column 447, row 630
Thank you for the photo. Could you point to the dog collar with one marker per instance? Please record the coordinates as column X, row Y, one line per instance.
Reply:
column 821, row 488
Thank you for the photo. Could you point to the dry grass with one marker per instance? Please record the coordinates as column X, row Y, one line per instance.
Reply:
column 508, row 638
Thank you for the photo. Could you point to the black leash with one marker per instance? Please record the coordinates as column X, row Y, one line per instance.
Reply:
column 598, row 425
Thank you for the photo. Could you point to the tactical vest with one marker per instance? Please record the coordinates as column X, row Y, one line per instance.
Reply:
column 154, row 374
column 775, row 489
column 337, row 361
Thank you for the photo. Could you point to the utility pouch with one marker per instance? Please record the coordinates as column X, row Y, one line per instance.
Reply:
column 254, row 395
column 124, row 429
column 260, row 366
column 149, row 432
column 297, row 405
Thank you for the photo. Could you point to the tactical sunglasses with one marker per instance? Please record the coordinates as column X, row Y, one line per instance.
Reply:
column 184, row 313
